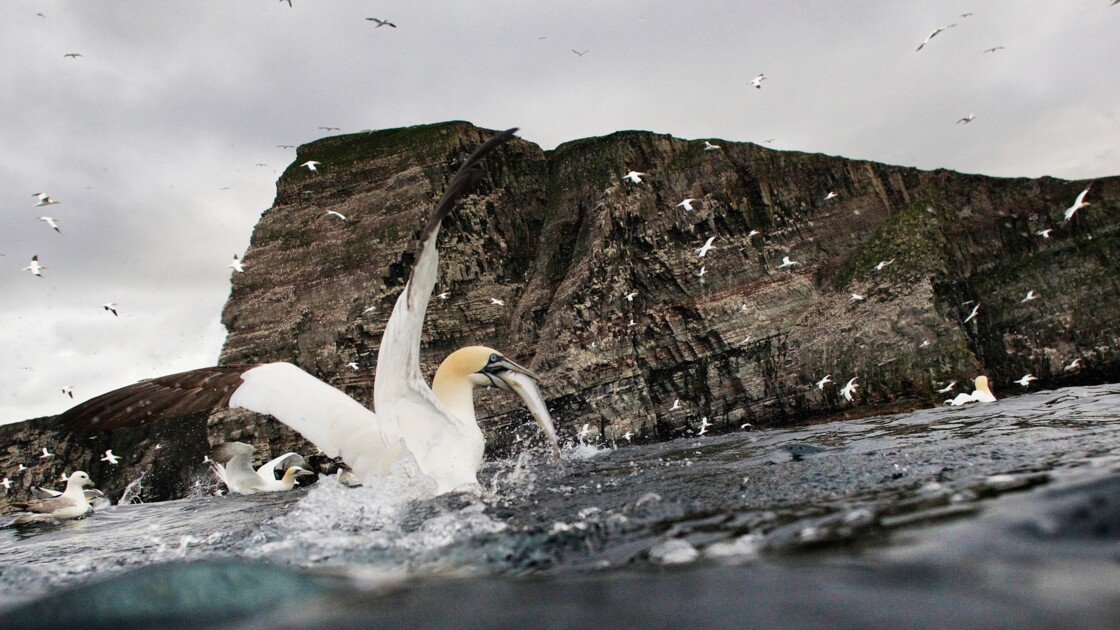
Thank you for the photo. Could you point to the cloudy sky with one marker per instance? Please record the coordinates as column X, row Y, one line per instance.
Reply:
column 152, row 139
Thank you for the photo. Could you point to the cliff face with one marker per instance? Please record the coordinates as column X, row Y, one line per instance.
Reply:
column 562, row 239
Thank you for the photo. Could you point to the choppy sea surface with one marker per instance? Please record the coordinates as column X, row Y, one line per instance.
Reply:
column 1000, row 515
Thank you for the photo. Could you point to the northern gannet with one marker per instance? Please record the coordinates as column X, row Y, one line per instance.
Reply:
column 232, row 464
column 635, row 176
column 335, row 213
column 933, row 34
column 1026, row 380
column 995, row 48
column 708, row 146
column 849, row 389
column 1073, row 365
column 967, row 119
column 856, row 298
column 111, row 458
column 972, row 315
column 236, row 264
column 1078, row 204
column 581, row 52
column 686, row 204
column 72, row 55
column 676, row 404
column 821, row 383
column 435, row 424
column 51, row 221
column 68, row 391
column 757, row 81
column 980, row 394
column 883, row 264
column 311, row 164
column 1045, row 233
column 831, row 195
column 786, row 263
column 111, row 307
column 948, row 388
column 44, row 200
column 1030, row 296
column 630, row 296
column 72, row 503
column 706, row 247
column 34, row 267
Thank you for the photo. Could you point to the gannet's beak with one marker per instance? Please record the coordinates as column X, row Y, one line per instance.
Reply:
column 507, row 375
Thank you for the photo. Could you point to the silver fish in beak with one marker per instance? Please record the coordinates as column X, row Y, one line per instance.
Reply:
column 511, row 377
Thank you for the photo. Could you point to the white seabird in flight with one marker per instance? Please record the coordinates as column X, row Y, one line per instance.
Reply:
column 995, row 48
column 831, row 195
column 1073, row 365
column 51, row 221
column 706, row 247
column 1077, row 205
column 883, row 264
column 757, row 81
column 856, row 298
column 111, row 458
column 1045, row 233
column 336, row 213
column 232, row 464
column 44, row 200
column 972, row 315
column 934, row 34
column 1026, row 380
column 635, row 176
column 111, row 307
column 72, row 503
column 236, row 264
column 980, row 394
column 676, row 404
column 1030, row 296
column 381, row 23
column 497, row 302
column 849, row 389
column 786, row 263
column 311, row 164
column 821, row 383
column 46, row 453
column 686, row 204
column 708, row 146
column 34, row 267
column 967, row 119
column 68, row 391
column 436, row 425
column 630, row 296
column 948, row 388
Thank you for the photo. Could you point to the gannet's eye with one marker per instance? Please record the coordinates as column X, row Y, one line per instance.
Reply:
column 494, row 358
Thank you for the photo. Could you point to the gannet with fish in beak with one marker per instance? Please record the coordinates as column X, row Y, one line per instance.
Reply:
column 435, row 424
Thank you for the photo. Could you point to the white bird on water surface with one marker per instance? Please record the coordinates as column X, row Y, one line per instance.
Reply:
column 232, row 464
column 435, row 424
column 980, row 394
column 71, row 504
column 1078, row 204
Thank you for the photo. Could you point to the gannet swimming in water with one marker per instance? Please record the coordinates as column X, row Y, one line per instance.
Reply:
column 51, row 221
column 72, row 503
column 1078, row 204
column 435, row 424
column 232, row 463
column 981, row 394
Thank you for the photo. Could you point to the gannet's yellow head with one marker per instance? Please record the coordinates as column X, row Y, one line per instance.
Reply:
column 478, row 365
column 982, row 383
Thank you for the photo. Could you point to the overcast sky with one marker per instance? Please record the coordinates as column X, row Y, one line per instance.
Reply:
column 151, row 139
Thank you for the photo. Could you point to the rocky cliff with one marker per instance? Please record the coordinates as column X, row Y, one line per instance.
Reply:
column 562, row 239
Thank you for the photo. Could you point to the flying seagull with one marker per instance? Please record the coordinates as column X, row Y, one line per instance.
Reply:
column 635, row 176
column 948, row 388
column 824, row 381
column 849, row 389
column 581, row 53
column 68, row 390
column 381, row 23
column 708, row 146
column 236, row 264
column 34, row 267
column 934, row 34
column 111, row 307
column 73, row 55
column 1077, row 205
column 1026, row 379
column 435, row 424
column 686, row 204
column 757, row 81
column 311, row 164
column 44, row 200
column 967, row 119
column 786, row 263
column 111, row 458
column 995, row 48
column 51, row 221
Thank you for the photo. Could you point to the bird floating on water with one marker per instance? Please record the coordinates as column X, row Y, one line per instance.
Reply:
column 44, row 199
column 232, row 464
column 981, row 394
column 71, row 504
column 311, row 164
column 381, row 23
column 436, row 425
column 635, row 176
column 1026, row 379
column 1078, row 204
column 51, row 221
column 236, row 264
column 849, row 389
column 34, row 267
